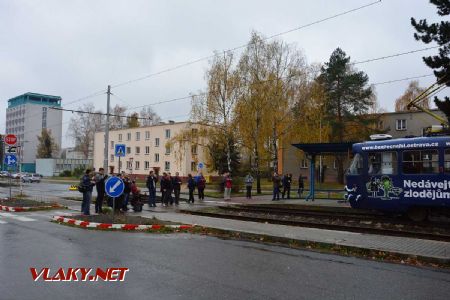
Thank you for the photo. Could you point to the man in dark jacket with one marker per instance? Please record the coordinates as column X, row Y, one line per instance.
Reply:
column 126, row 192
column 287, row 180
column 276, row 186
column 87, row 183
column 152, row 179
column 176, row 182
column 100, row 178
column 165, row 189
column 191, row 187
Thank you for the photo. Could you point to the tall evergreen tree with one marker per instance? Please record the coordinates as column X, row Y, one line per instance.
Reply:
column 440, row 34
column 47, row 147
column 347, row 97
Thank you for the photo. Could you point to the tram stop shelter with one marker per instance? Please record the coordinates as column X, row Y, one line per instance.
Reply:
column 312, row 150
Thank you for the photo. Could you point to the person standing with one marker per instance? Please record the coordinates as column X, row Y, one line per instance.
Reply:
column 287, row 180
column 191, row 188
column 165, row 183
column 170, row 187
column 301, row 186
column 126, row 192
column 248, row 185
column 87, row 183
column 228, row 185
column 276, row 186
column 177, row 187
column 201, row 185
column 152, row 179
column 100, row 178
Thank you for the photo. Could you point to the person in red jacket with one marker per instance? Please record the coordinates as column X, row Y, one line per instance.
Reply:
column 228, row 185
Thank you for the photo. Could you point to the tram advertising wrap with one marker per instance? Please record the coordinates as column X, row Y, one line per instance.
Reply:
column 400, row 175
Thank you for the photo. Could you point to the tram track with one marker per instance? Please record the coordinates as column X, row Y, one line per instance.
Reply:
column 359, row 222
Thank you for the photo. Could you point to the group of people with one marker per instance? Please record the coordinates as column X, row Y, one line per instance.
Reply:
column 170, row 188
column 172, row 184
column 282, row 184
column 97, row 179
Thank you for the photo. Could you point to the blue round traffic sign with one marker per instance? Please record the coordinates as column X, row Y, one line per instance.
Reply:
column 10, row 159
column 114, row 187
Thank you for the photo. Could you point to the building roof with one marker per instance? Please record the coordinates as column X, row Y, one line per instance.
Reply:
column 35, row 98
column 325, row 148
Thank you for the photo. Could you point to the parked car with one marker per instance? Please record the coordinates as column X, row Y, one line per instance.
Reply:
column 4, row 174
column 15, row 175
column 31, row 178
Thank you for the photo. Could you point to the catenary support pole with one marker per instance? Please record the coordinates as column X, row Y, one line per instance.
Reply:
column 105, row 160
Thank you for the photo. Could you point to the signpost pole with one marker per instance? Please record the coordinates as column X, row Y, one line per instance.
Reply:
column 114, row 208
column 119, row 164
column 10, row 183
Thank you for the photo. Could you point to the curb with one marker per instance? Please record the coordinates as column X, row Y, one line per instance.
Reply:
column 31, row 208
column 128, row 227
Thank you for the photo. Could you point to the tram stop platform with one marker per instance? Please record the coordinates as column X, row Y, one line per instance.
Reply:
column 399, row 245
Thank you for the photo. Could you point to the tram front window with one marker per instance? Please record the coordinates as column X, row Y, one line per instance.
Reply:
column 382, row 163
column 356, row 166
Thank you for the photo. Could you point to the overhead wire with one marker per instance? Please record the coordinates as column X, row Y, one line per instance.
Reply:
column 245, row 45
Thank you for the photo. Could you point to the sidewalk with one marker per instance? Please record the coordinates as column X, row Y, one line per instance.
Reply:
column 401, row 245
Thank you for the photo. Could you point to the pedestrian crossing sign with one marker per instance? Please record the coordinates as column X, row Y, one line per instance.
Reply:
column 119, row 150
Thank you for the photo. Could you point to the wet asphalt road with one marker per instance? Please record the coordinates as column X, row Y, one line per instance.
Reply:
column 184, row 266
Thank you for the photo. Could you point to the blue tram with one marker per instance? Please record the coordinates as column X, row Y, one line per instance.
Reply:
column 406, row 175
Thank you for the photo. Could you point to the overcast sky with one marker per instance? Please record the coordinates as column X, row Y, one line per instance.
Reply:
column 74, row 48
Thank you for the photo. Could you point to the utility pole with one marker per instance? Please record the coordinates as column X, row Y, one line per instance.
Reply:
column 105, row 161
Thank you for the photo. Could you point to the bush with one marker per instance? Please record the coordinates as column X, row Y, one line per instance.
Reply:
column 65, row 173
column 77, row 172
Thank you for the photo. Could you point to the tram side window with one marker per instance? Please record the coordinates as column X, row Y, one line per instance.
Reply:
column 382, row 163
column 420, row 162
column 447, row 161
column 356, row 166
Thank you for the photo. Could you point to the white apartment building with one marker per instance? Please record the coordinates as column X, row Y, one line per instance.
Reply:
column 26, row 116
column 152, row 148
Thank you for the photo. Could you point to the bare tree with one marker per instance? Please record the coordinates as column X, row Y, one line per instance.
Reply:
column 149, row 115
column 411, row 93
column 83, row 126
column 116, row 122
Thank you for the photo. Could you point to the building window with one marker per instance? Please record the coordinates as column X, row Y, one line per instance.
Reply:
column 194, row 149
column 193, row 166
column 156, row 157
column 400, row 124
column 156, row 142
column 303, row 164
column 167, row 165
column 147, row 150
column 128, row 136
column 120, row 137
column 138, row 150
column 138, row 136
column 147, row 135
column 137, row 165
column 120, row 164
column 44, row 117
column 146, row 165
column 128, row 150
column 167, row 133
column 167, row 149
column 129, row 165
column 112, row 144
column 112, row 158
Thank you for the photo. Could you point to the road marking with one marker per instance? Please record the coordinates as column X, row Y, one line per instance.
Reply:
column 3, row 222
column 16, row 217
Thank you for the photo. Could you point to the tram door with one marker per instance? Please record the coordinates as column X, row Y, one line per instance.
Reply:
column 383, row 185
